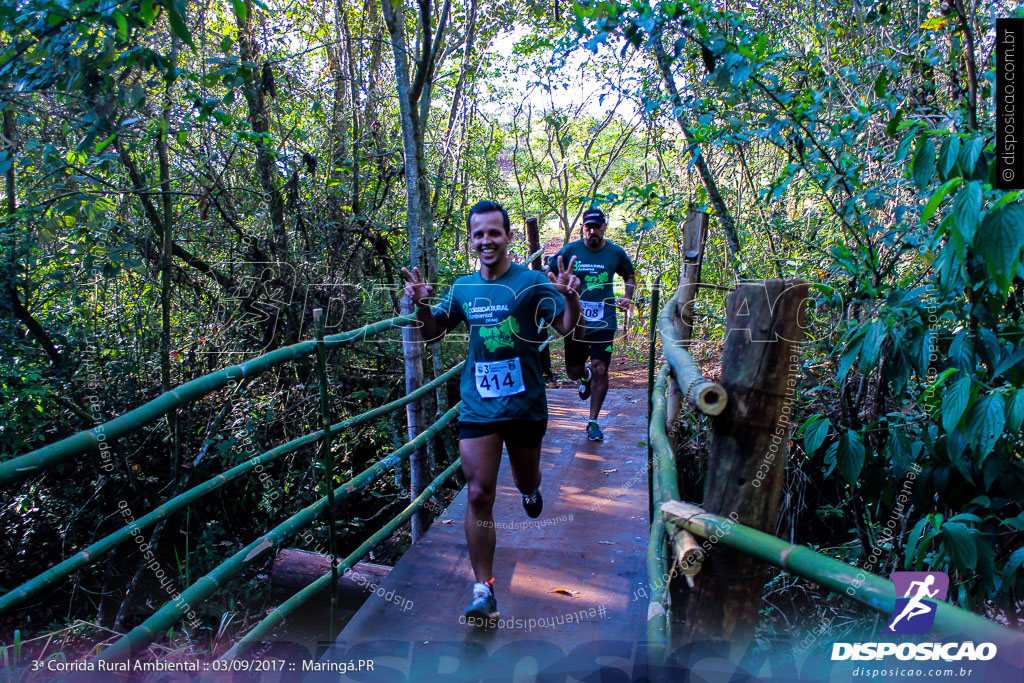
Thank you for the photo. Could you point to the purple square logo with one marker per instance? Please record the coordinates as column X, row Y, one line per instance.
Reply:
column 916, row 595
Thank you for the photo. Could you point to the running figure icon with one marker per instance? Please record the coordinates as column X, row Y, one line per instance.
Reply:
column 915, row 607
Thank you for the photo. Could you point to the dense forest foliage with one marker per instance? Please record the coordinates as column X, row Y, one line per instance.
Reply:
column 186, row 181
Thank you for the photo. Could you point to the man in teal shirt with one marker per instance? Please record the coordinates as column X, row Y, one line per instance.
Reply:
column 505, row 306
column 597, row 262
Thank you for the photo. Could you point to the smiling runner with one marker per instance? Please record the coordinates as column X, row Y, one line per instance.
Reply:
column 505, row 306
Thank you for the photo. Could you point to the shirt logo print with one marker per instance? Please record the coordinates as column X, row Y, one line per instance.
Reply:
column 500, row 335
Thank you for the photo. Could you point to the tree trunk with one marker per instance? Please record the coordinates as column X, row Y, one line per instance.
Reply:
column 165, row 267
column 414, row 109
column 19, row 310
column 255, row 91
column 707, row 178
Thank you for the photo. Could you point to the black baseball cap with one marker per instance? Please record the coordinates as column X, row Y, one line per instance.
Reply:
column 593, row 216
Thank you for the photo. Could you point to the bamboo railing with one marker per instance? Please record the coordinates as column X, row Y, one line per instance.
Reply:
column 90, row 554
column 18, row 468
column 149, row 630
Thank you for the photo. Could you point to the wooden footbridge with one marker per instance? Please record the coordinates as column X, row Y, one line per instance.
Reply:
column 583, row 588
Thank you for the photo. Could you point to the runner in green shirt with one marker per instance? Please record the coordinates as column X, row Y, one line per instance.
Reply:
column 505, row 306
column 597, row 263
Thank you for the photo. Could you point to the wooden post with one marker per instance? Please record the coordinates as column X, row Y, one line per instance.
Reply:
column 419, row 477
column 749, row 448
column 695, row 232
column 533, row 236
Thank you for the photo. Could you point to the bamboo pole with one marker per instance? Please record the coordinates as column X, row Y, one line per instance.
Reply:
column 651, row 346
column 838, row 577
column 89, row 555
column 419, row 469
column 664, row 456
column 657, row 614
column 144, row 634
column 328, row 461
column 708, row 397
column 533, row 237
column 18, row 468
column 282, row 611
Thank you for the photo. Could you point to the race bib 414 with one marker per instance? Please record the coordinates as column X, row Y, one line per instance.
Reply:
column 499, row 378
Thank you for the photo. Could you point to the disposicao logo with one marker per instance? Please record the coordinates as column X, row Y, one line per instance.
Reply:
column 915, row 611
column 914, row 614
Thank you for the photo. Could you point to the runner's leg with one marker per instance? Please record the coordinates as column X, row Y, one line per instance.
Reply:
column 598, row 386
column 576, row 355
column 481, row 458
column 525, row 463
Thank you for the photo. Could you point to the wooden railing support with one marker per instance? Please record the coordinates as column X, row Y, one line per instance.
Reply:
column 533, row 236
column 419, row 475
column 749, row 447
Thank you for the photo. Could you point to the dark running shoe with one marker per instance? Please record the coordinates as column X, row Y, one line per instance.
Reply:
column 484, row 605
column 584, row 387
column 594, row 432
column 533, row 504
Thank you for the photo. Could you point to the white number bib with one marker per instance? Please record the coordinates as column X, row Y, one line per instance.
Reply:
column 593, row 311
column 499, row 378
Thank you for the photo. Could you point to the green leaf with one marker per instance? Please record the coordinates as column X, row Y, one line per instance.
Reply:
column 899, row 451
column 924, row 161
column 147, row 11
column 937, row 197
column 872, row 345
column 850, row 456
column 122, row 25
column 177, row 21
column 849, row 356
column 830, row 458
column 881, row 83
column 241, row 10
column 984, row 425
column 904, row 146
column 912, row 542
column 966, row 209
column 969, row 155
column 954, row 402
column 1015, row 411
column 1013, row 563
column 948, row 155
column 999, row 242
column 815, row 435
column 958, row 540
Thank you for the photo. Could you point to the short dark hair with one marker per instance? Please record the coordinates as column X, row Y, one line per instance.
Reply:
column 487, row 206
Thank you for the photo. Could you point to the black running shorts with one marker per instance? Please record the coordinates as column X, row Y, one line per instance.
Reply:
column 597, row 345
column 522, row 433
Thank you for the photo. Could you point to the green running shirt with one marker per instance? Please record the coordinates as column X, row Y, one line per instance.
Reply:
column 502, row 379
column 595, row 270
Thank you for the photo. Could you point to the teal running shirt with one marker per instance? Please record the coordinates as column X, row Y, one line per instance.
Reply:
column 502, row 379
column 595, row 270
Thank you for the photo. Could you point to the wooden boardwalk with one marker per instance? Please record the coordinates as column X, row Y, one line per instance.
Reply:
column 565, row 582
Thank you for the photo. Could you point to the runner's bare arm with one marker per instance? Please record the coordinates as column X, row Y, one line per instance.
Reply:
column 568, row 284
column 418, row 290
column 623, row 302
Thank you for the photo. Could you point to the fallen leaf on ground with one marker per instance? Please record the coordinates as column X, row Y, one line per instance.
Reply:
column 565, row 591
column 446, row 521
column 616, row 469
